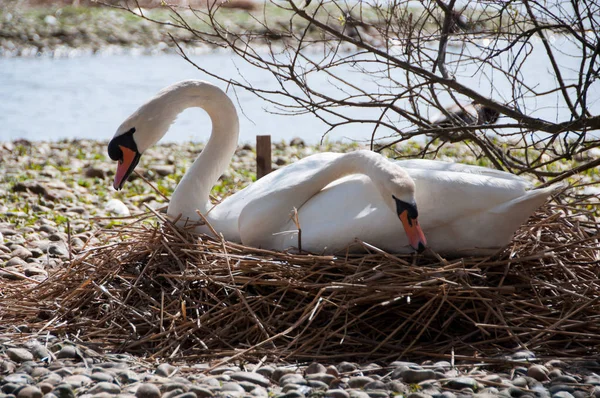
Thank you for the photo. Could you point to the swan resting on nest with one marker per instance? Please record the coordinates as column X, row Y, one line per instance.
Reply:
column 338, row 198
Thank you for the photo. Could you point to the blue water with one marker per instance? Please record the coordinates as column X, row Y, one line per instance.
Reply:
column 89, row 96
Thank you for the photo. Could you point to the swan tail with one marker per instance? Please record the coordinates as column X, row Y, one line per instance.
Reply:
column 530, row 201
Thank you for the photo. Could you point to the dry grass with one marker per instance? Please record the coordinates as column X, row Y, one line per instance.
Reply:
column 161, row 291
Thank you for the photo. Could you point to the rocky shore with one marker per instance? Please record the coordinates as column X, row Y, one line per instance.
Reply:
column 49, row 368
column 54, row 196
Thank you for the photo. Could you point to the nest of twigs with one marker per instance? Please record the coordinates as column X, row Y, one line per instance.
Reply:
column 159, row 290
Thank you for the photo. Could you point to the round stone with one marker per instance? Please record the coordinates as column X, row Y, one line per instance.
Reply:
column 166, row 370
column 337, row 393
column 413, row 376
column 106, row 387
column 18, row 378
column 45, row 387
column 67, row 352
column 562, row 394
column 359, row 381
column 253, row 378
column 235, row 387
column 201, row 392
column 19, row 354
column 63, row 391
column 30, row 392
column 76, row 381
column 315, row 368
column 147, row 390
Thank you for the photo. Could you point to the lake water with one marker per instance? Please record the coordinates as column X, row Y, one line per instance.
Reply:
column 89, row 96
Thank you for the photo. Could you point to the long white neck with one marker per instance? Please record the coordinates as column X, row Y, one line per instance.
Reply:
column 308, row 177
column 193, row 191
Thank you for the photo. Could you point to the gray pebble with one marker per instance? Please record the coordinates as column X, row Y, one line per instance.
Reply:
column 450, row 394
column 39, row 351
column 9, row 388
column 58, row 250
column 224, row 369
column 201, row 392
column 337, row 393
column 30, row 392
column 101, row 376
column 266, row 371
column 322, row 377
column 315, row 368
column 15, row 262
column 520, row 382
column 358, row 394
column 562, row 394
column 412, row 376
column 523, row 355
column 18, row 378
column 166, row 370
column 174, row 386
column 291, row 394
column 359, row 381
column 106, row 387
column 378, row 393
column 397, row 387
column 259, row 392
column 292, row 378
column 346, row 367
column 19, row 354
column 52, row 378
column 147, row 390
column 63, row 391
column 560, row 387
column 232, row 387
column 592, row 379
column 375, row 385
column 173, row 393
column 254, row 378
column 22, row 253
column 278, row 373
column 538, row 372
column 76, row 381
column 45, row 387
column 462, row 382
column 7, row 367
column 317, row 385
column 290, row 387
column 127, row 376
column 418, row 395
column 186, row 395
column 67, row 352
column 564, row 379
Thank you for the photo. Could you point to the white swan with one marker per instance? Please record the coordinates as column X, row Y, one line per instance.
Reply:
column 338, row 197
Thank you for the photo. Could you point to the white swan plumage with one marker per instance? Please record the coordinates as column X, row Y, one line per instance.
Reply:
column 462, row 210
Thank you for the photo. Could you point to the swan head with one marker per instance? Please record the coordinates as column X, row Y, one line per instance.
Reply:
column 144, row 128
column 123, row 148
column 408, row 214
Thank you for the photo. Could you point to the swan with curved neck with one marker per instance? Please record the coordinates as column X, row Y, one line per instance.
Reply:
column 259, row 215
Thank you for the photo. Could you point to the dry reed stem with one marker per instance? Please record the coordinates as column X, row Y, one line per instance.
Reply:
column 159, row 290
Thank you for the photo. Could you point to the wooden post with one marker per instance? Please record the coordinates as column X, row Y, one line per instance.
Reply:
column 263, row 155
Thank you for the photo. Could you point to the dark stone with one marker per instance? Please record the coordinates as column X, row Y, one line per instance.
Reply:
column 148, row 390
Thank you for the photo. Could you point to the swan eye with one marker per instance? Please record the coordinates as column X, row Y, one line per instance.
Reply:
column 126, row 140
column 410, row 208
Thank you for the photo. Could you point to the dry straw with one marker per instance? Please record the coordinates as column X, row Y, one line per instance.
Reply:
column 157, row 290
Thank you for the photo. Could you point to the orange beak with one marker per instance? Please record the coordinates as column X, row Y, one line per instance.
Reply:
column 413, row 230
column 125, row 166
